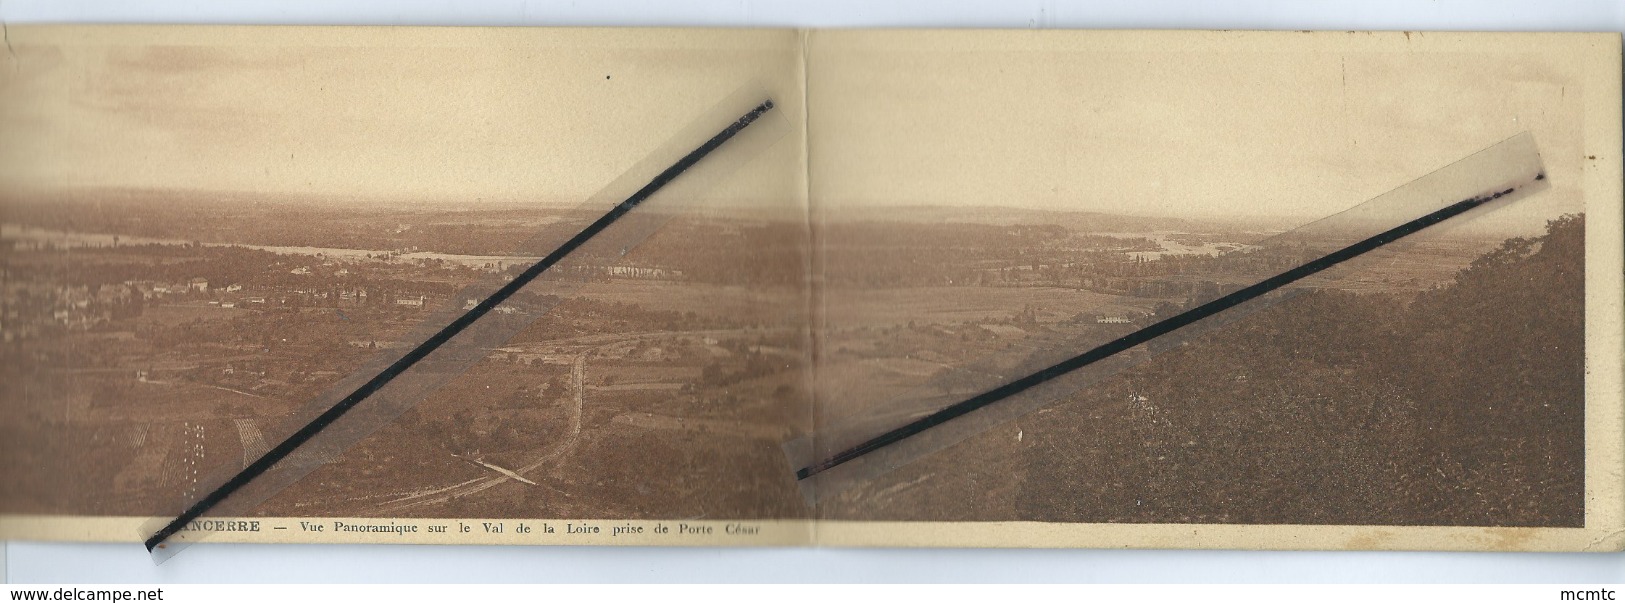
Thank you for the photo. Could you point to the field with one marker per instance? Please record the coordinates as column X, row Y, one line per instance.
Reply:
column 665, row 383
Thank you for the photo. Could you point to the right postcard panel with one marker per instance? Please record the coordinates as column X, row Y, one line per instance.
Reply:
column 1216, row 289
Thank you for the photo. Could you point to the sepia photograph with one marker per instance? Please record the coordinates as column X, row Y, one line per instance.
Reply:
column 968, row 240
column 236, row 220
column 1340, row 290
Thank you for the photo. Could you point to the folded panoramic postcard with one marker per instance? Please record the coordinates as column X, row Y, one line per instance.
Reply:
column 1292, row 290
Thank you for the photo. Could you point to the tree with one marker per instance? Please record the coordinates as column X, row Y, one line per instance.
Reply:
column 1462, row 407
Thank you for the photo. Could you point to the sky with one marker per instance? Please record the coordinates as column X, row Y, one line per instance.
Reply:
column 1201, row 124
column 1184, row 124
column 379, row 113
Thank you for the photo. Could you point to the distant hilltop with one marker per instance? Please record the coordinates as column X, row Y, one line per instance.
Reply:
column 1082, row 221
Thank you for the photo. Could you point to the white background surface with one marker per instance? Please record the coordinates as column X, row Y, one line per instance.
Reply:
column 128, row 563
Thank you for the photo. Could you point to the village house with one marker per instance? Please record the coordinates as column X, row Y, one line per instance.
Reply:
column 635, row 272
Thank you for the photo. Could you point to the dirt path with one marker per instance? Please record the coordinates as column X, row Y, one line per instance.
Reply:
column 235, row 391
column 578, row 380
column 253, row 441
column 578, row 383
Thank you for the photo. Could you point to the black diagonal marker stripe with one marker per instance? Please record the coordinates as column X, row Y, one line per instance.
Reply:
column 1148, row 333
column 299, row 438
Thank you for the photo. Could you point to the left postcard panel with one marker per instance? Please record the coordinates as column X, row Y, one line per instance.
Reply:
column 209, row 234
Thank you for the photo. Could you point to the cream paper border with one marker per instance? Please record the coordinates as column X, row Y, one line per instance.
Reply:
column 1002, row 534
column 590, row 532
column 1597, row 54
column 1605, row 299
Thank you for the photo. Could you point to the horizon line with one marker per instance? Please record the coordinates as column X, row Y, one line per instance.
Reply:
column 448, row 203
